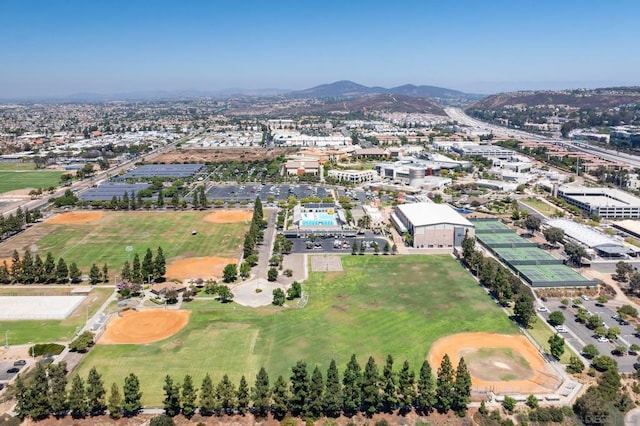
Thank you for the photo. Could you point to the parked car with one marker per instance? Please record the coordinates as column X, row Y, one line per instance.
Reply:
column 1, row 386
column 585, row 298
column 13, row 370
column 20, row 362
column 542, row 309
column 603, row 339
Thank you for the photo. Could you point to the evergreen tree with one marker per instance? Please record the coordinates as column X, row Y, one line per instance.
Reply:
column 16, row 267
column 95, row 393
column 105, row 273
column 114, row 405
column 299, row 389
column 126, row 271
column 62, row 272
column 243, row 396
column 189, row 396
column 351, row 387
column 5, row 277
column 148, row 266
column 445, row 391
column 38, row 269
column 462, row 389
column 74, row 273
column 57, row 389
column 425, row 397
column 39, row 406
column 131, row 404
column 171, row 402
column 139, row 198
column 160, row 200
column 370, row 388
column 94, row 274
column 78, row 398
column 136, row 272
column 315, row 393
column 49, row 268
column 175, row 200
column 389, row 399
column 207, row 397
column 406, row 388
column 258, row 213
column 27, row 275
column 280, row 393
column 226, row 395
column 23, row 398
column 159, row 265
column 332, row 399
column 261, row 393
column 133, row 203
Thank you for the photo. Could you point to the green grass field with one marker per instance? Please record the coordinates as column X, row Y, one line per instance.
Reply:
column 106, row 240
column 23, row 175
column 42, row 331
column 544, row 208
column 379, row 305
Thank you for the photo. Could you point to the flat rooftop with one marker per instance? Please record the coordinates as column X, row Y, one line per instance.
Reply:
column 600, row 197
column 14, row 308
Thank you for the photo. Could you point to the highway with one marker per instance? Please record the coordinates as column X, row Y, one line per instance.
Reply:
column 607, row 154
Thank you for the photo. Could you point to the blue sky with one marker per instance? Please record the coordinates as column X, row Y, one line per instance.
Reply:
column 64, row 47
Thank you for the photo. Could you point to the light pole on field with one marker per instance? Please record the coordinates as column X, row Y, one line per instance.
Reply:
column 6, row 339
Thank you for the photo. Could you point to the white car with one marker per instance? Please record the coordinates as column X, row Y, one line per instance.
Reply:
column 585, row 298
column 561, row 329
column 543, row 309
column 603, row 339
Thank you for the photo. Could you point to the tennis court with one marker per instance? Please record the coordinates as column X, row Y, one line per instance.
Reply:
column 490, row 226
column 504, row 240
column 526, row 256
column 552, row 276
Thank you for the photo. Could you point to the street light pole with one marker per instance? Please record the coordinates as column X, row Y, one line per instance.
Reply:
column 6, row 339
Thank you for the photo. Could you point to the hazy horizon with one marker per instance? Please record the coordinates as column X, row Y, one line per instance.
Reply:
column 58, row 49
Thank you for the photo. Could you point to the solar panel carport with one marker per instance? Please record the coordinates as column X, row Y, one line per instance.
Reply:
column 106, row 191
column 162, row 170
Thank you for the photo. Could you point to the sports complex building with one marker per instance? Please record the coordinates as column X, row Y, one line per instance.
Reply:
column 534, row 265
column 431, row 225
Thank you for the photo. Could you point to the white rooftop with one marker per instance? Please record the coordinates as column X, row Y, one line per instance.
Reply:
column 601, row 197
column 425, row 214
column 582, row 233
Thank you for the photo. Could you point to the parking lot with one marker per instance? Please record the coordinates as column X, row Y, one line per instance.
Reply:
column 336, row 245
column 5, row 377
column 266, row 192
column 579, row 335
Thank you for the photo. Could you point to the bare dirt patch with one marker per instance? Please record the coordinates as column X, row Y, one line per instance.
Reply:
column 220, row 155
column 229, row 216
column 144, row 326
column 71, row 218
column 326, row 264
column 198, row 267
column 498, row 363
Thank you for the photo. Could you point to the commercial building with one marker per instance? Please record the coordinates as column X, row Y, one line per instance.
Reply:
column 484, row 150
column 300, row 167
column 431, row 225
column 353, row 176
column 608, row 203
column 625, row 136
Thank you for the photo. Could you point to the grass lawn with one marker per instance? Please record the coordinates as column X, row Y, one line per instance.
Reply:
column 544, row 208
column 541, row 334
column 12, row 167
column 43, row 331
column 105, row 241
column 20, row 178
column 379, row 305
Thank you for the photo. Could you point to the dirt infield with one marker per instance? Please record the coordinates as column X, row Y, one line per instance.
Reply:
column 198, row 267
column 71, row 218
column 144, row 326
column 229, row 216
column 498, row 363
column 323, row 263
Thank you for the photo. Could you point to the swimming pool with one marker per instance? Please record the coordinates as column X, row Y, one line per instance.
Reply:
column 317, row 219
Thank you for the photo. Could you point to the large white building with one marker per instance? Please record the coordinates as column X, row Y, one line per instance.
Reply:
column 608, row 203
column 353, row 176
column 431, row 225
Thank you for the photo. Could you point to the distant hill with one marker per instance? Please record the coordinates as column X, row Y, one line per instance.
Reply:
column 584, row 98
column 346, row 89
column 365, row 105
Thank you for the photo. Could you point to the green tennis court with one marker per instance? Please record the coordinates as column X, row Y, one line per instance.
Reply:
column 490, row 226
column 504, row 240
column 525, row 256
column 552, row 276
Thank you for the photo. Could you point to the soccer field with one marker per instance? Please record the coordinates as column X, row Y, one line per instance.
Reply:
column 378, row 305
column 105, row 240
column 12, row 180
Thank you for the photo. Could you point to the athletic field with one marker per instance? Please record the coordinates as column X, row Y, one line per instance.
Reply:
column 378, row 305
column 24, row 175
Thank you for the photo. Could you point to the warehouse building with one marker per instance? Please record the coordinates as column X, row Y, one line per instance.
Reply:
column 431, row 225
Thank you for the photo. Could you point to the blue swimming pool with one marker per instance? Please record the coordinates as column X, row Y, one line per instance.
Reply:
column 318, row 219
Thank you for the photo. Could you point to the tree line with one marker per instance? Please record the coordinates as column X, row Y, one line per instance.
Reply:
column 255, row 234
column 32, row 269
column 15, row 223
column 305, row 394
column 137, row 272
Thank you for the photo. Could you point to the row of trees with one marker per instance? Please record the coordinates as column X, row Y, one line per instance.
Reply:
column 13, row 224
column 502, row 284
column 304, row 394
column 32, row 269
column 137, row 272
column 310, row 394
column 255, row 234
